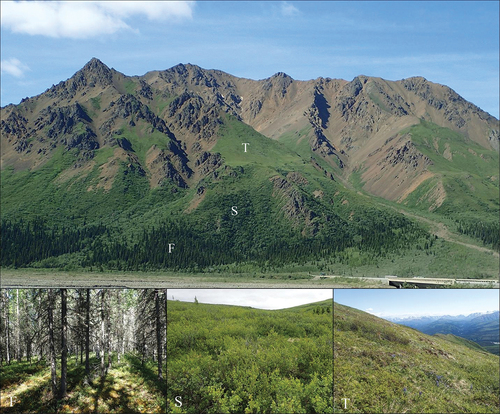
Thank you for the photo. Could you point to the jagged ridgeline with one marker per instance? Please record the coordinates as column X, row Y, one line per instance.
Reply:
column 106, row 170
column 382, row 367
column 234, row 359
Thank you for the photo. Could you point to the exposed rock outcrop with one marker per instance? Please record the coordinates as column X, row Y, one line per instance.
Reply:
column 207, row 162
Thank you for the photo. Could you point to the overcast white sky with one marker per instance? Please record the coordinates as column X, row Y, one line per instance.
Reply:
column 455, row 43
column 256, row 298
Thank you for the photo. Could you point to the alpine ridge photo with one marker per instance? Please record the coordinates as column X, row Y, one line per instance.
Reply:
column 191, row 171
column 260, row 144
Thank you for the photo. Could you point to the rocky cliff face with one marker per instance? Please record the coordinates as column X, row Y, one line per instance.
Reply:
column 169, row 121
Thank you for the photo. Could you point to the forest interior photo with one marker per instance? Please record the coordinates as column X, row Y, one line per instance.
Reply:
column 83, row 350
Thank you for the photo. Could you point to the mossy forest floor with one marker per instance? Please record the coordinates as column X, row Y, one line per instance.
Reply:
column 128, row 387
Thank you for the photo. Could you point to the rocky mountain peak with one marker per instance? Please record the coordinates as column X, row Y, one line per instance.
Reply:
column 95, row 65
column 189, row 75
column 180, row 69
column 280, row 82
column 356, row 85
column 94, row 73
column 281, row 75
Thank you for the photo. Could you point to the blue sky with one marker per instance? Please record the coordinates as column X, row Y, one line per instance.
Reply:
column 412, row 302
column 256, row 298
column 454, row 43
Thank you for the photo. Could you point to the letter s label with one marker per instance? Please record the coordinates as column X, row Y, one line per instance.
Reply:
column 234, row 211
column 178, row 400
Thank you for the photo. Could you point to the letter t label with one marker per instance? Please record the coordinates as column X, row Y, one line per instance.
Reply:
column 245, row 144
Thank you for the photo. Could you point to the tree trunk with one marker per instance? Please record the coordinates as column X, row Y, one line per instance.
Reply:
column 7, row 323
column 103, row 333
column 18, row 329
column 120, row 330
column 108, row 340
column 64, row 342
column 87, row 335
column 41, row 354
column 165, row 341
column 158, row 333
column 52, row 350
column 109, row 330
column 166, row 323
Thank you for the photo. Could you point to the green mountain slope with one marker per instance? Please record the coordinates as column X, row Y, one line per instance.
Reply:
column 311, row 307
column 279, row 219
column 233, row 359
column 107, row 171
column 384, row 367
column 462, row 341
column 469, row 189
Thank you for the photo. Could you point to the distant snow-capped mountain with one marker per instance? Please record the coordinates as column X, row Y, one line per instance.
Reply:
column 429, row 318
column 480, row 327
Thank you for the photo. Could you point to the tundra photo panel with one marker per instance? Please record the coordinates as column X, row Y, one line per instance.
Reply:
column 425, row 351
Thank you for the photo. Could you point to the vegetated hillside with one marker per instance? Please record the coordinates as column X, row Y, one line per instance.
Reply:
column 105, row 170
column 462, row 341
column 232, row 359
column 483, row 329
column 311, row 307
column 383, row 367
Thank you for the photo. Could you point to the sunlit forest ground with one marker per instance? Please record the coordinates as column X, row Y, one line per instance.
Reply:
column 128, row 387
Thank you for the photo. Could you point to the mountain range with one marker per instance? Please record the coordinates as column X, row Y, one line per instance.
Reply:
column 316, row 170
column 383, row 367
column 482, row 328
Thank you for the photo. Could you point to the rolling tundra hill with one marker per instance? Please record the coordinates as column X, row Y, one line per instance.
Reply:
column 382, row 367
column 107, row 170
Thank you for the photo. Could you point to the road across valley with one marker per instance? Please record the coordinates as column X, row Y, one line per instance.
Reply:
column 396, row 281
column 440, row 230
column 30, row 279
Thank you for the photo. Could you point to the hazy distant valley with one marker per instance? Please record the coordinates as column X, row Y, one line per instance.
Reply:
column 370, row 177
column 481, row 328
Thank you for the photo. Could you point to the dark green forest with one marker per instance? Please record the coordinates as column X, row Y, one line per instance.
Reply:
column 38, row 243
column 232, row 359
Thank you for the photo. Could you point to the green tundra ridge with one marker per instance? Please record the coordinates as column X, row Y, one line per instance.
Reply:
column 383, row 367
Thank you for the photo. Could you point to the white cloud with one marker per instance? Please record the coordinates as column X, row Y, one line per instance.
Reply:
column 288, row 9
column 369, row 310
column 153, row 10
column 14, row 67
column 77, row 20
